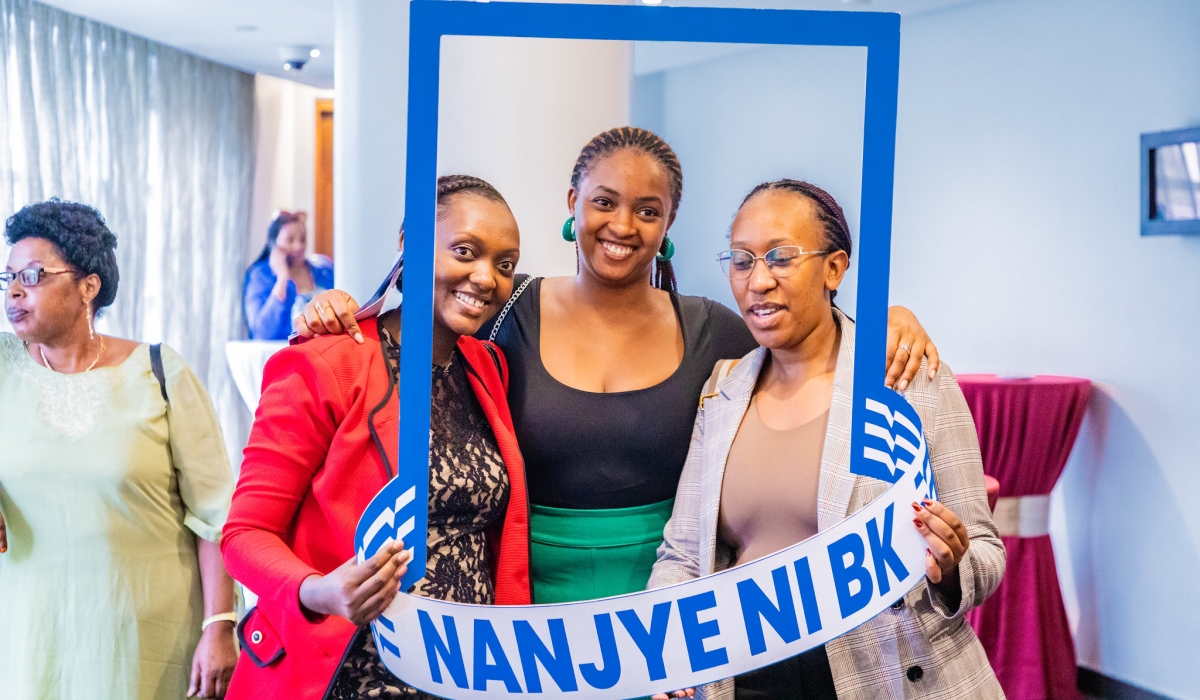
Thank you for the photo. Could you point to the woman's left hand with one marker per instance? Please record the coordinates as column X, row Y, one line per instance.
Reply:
column 947, row 538
column 213, row 662
column 907, row 343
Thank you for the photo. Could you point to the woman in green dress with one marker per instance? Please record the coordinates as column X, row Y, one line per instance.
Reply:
column 114, row 486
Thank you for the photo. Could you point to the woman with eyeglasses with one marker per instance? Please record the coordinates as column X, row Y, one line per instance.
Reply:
column 607, row 368
column 114, row 486
column 769, row 464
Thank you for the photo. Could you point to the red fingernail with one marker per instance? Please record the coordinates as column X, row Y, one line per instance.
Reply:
column 916, row 508
column 917, row 522
column 927, row 502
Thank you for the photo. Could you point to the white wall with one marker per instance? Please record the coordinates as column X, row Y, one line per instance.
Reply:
column 758, row 115
column 1017, row 183
column 370, row 127
column 1016, row 241
column 285, row 167
column 511, row 112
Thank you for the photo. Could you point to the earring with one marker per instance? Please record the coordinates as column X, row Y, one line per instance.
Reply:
column 91, row 326
column 668, row 250
column 568, row 230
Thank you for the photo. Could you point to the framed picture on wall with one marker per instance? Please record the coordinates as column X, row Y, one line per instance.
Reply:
column 1171, row 182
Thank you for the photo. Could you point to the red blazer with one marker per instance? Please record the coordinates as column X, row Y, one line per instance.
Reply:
column 309, row 470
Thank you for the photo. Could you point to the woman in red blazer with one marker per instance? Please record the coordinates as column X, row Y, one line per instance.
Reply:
column 324, row 443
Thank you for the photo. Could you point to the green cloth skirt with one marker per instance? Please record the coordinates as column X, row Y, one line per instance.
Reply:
column 581, row 554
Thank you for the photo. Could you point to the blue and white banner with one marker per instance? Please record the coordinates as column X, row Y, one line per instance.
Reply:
column 678, row 636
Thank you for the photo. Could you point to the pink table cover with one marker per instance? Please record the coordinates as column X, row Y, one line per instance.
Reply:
column 1026, row 429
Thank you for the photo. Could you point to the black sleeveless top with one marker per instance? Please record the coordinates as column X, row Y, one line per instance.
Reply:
column 593, row 450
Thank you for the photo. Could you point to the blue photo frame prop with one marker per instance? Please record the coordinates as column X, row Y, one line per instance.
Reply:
column 430, row 20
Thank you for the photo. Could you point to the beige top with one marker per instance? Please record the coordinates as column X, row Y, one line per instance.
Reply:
column 769, row 494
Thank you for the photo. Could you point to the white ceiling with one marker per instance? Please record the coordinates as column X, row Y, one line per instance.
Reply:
column 210, row 28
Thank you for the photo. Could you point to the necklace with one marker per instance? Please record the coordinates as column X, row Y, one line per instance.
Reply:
column 89, row 368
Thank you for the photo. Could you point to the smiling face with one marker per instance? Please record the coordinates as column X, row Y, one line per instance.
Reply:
column 49, row 309
column 293, row 241
column 477, row 248
column 781, row 313
column 622, row 211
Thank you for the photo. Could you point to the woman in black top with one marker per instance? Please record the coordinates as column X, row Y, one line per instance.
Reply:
column 607, row 369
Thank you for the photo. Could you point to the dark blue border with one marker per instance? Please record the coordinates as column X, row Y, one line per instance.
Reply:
column 1159, row 227
column 430, row 20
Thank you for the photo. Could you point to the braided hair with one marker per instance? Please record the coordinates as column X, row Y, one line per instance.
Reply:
column 450, row 185
column 639, row 140
column 829, row 212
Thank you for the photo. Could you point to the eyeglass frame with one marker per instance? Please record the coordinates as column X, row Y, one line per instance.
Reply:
column 7, row 278
column 722, row 258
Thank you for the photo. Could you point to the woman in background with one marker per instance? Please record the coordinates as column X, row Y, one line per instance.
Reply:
column 769, row 466
column 114, row 486
column 282, row 280
column 607, row 368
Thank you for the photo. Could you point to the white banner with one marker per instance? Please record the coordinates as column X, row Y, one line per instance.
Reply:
column 678, row 636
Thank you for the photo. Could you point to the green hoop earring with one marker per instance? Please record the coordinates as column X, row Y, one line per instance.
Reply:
column 663, row 257
column 568, row 231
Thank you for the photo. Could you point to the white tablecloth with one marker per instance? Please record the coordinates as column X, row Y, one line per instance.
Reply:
column 246, row 361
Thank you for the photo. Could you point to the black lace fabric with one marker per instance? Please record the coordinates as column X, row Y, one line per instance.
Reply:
column 468, row 495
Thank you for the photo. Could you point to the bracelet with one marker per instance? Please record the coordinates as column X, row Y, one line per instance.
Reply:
column 220, row 617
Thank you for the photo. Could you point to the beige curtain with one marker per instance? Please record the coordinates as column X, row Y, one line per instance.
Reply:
column 162, row 144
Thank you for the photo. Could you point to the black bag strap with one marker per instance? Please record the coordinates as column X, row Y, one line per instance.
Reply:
column 495, row 358
column 156, row 366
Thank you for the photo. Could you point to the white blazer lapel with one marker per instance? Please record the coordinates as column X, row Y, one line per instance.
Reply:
column 836, row 484
column 723, row 418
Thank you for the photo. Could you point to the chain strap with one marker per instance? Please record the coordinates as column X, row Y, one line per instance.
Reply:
column 504, row 312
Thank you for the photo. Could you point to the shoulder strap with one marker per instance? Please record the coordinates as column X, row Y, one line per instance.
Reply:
column 720, row 371
column 156, row 365
column 504, row 312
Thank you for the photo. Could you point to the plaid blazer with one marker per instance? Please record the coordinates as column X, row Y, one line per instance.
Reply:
column 878, row 660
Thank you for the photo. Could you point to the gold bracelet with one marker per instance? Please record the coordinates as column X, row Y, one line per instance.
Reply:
column 220, row 617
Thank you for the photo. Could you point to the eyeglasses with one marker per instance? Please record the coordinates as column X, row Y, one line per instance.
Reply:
column 781, row 262
column 30, row 276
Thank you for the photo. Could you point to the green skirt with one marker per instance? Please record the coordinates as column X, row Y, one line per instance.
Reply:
column 587, row 554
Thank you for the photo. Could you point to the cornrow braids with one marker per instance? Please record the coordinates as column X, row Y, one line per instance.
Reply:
column 639, row 140
column 829, row 212
column 450, row 185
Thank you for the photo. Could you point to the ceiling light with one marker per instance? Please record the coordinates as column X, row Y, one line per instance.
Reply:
column 315, row 53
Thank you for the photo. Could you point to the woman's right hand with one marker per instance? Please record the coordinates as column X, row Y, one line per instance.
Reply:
column 358, row 592
column 278, row 262
column 329, row 313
